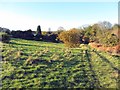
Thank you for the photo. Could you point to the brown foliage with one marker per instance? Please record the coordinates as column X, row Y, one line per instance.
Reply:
column 114, row 49
column 71, row 38
column 117, row 48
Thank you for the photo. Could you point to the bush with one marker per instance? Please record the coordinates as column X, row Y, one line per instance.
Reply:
column 86, row 40
column 71, row 38
column 4, row 37
column 28, row 35
column 109, row 39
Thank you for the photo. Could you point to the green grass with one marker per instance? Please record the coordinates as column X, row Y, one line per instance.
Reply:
column 51, row 65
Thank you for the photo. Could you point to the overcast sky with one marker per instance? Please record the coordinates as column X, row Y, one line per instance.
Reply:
column 28, row 15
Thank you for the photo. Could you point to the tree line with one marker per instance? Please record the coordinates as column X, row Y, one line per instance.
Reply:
column 102, row 32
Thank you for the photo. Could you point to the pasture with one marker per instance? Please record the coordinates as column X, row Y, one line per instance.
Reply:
column 37, row 64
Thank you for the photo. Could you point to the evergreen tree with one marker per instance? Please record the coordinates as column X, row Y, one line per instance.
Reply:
column 38, row 30
column 39, row 33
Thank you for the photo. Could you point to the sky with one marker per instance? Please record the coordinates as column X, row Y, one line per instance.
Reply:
column 28, row 15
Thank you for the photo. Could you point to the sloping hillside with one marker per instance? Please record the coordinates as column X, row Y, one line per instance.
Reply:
column 34, row 64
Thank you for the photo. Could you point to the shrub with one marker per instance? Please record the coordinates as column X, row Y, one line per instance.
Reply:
column 86, row 40
column 4, row 37
column 71, row 38
column 109, row 39
column 28, row 34
column 38, row 34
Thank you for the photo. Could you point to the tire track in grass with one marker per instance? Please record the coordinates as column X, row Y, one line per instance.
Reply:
column 70, row 66
column 78, row 77
column 112, row 70
column 87, row 80
column 82, row 79
column 95, row 83
column 84, row 68
column 107, row 61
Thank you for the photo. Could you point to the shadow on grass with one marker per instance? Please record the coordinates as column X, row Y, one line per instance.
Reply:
column 24, row 44
column 95, row 83
column 107, row 61
column 87, row 78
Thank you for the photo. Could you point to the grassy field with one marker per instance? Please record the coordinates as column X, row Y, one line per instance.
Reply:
column 51, row 65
